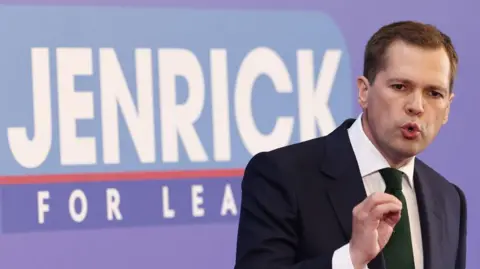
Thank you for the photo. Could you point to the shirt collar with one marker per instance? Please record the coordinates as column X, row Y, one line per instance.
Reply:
column 369, row 159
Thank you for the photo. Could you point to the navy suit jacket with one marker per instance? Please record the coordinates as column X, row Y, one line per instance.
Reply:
column 297, row 203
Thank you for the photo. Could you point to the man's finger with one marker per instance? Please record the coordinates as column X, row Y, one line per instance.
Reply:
column 378, row 199
column 381, row 211
column 392, row 218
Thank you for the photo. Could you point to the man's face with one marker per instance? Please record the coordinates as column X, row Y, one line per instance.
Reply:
column 408, row 102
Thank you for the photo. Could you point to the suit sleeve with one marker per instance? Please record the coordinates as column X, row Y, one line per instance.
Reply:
column 462, row 244
column 268, row 231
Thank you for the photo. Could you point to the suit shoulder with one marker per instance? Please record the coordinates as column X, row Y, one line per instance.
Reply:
column 296, row 153
column 301, row 156
column 439, row 180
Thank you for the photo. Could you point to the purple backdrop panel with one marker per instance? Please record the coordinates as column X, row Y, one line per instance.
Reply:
column 142, row 239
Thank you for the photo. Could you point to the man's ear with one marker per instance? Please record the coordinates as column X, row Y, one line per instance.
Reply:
column 447, row 112
column 363, row 86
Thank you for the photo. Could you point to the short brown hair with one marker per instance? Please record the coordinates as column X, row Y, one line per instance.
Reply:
column 411, row 32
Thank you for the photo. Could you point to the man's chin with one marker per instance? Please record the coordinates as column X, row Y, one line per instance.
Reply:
column 410, row 149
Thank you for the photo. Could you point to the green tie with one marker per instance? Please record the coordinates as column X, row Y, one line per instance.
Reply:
column 398, row 252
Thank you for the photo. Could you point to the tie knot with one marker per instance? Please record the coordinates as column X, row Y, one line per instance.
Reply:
column 393, row 178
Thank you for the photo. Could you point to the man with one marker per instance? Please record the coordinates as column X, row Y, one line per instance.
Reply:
column 358, row 198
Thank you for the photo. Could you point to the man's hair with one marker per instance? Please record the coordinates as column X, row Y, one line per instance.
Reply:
column 413, row 33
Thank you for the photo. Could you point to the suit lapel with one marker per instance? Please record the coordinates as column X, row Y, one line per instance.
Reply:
column 346, row 188
column 430, row 218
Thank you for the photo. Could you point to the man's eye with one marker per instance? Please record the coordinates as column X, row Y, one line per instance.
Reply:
column 436, row 94
column 398, row 86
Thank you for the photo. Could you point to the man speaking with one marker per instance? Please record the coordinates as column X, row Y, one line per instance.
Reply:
column 358, row 198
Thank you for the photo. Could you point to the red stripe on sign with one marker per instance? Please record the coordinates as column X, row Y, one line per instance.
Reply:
column 120, row 176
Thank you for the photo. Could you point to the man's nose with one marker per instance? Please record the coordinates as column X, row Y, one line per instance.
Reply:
column 415, row 103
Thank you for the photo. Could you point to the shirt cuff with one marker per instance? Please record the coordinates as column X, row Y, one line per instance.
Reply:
column 341, row 258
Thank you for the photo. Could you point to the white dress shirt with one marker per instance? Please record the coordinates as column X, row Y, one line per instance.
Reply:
column 370, row 161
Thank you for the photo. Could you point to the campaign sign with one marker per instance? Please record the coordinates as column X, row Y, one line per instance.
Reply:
column 150, row 115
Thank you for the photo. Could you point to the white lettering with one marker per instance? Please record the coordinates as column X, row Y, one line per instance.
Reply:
column 313, row 100
column 74, row 106
column 139, row 120
column 113, row 204
column 74, row 196
column 179, row 119
column 220, row 107
column 228, row 203
column 31, row 153
column 168, row 213
column 42, row 206
column 257, row 62
column 197, row 201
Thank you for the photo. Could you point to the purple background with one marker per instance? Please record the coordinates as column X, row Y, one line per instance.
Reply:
column 213, row 246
